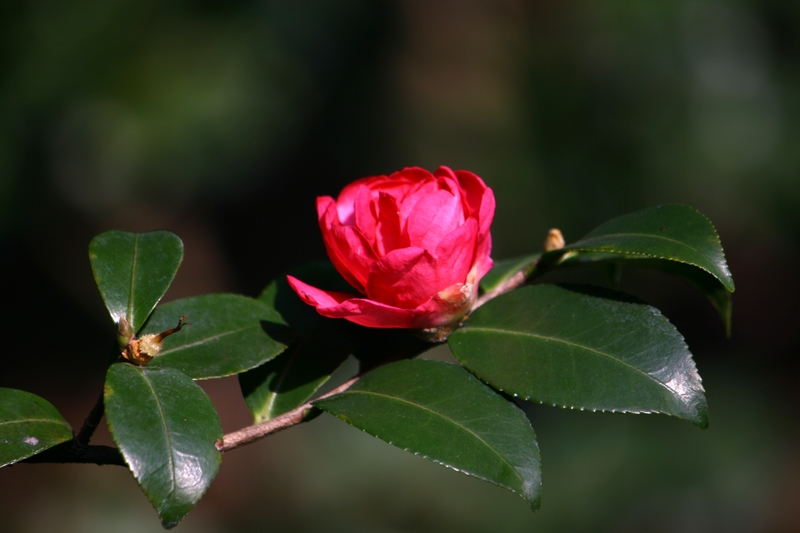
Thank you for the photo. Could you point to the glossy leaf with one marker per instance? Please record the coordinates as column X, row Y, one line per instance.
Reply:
column 28, row 425
column 134, row 270
column 585, row 348
column 165, row 427
column 701, row 280
column 228, row 334
column 502, row 271
column 321, row 346
column 443, row 413
column 670, row 232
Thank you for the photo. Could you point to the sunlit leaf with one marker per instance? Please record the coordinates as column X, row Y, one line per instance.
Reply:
column 671, row 232
column 502, row 271
column 227, row 334
column 134, row 270
column 584, row 348
column 165, row 426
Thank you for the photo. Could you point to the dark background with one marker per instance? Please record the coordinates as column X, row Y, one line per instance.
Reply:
column 222, row 121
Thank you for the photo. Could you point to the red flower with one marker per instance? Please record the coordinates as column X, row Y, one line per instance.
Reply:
column 415, row 243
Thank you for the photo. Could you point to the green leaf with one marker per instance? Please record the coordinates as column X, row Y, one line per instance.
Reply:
column 442, row 412
column 670, row 232
column 166, row 427
column 228, row 334
column 28, row 425
column 701, row 280
column 502, row 271
column 321, row 346
column 134, row 270
column 584, row 348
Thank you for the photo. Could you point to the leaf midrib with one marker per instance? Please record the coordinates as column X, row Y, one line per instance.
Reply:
column 204, row 340
column 167, row 437
column 455, row 423
column 650, row 235
column 582, row 347
column 48, row 420
column 131, row 319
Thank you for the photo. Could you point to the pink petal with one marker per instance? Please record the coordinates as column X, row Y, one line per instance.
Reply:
column 404, row 278
column 365, row 213
column 486, row 214
column 483, row 262
column 317, row 297
column 347, row 249
column 445, row 308
column 388, row 232
column 354, row 253
column 455, row 254
column 345, row 203
column 433, row 216
column 358, row 310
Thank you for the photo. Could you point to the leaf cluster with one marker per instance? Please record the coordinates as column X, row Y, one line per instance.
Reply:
column 565, row 345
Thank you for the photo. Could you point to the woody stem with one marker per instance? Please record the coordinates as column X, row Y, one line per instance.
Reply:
column 279, row 423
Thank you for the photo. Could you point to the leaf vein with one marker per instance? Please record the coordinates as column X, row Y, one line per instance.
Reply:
column 454, row 422
column 588, row 349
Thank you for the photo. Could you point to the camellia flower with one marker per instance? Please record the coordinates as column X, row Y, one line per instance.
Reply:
column 413, row 244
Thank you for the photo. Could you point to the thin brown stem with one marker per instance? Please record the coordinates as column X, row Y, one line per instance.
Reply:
column 517, row 280
column 279, row 423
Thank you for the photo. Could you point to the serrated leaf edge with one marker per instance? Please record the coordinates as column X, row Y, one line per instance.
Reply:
column 437, row 461
column 576, row 247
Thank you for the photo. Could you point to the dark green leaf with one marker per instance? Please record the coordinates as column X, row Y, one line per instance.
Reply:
column 502, row 271
column 165, row 426
column 321, row 346
column 28, row 425
column 584, row 348
column 228, row 335
column 671, row 232
column 701, row 280
column 442, row 412
column 134, row 270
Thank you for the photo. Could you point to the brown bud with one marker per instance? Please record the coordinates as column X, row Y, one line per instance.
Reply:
column 554, row 240
column 141, row 351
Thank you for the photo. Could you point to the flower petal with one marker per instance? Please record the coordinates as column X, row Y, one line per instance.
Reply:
column 434, row 214
column 404, row 278
column 347, row 248
column 345, row 202
column 446, row 308
column 366, row 213
column 455, row 254
column 358, row 310
column 388, row 232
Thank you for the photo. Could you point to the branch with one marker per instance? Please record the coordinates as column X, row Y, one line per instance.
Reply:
column 517, row 280
column 90, row 424
column 274, row 425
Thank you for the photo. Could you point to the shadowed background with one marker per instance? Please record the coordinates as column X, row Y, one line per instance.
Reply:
column 223, row 121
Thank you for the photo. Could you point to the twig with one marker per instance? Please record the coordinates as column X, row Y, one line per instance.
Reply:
column 90, row 424
column 279, row 423
column 517, row 280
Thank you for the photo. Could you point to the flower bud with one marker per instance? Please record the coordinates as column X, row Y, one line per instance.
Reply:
column 554, row 240
column 142, row 351
column 124, row 332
